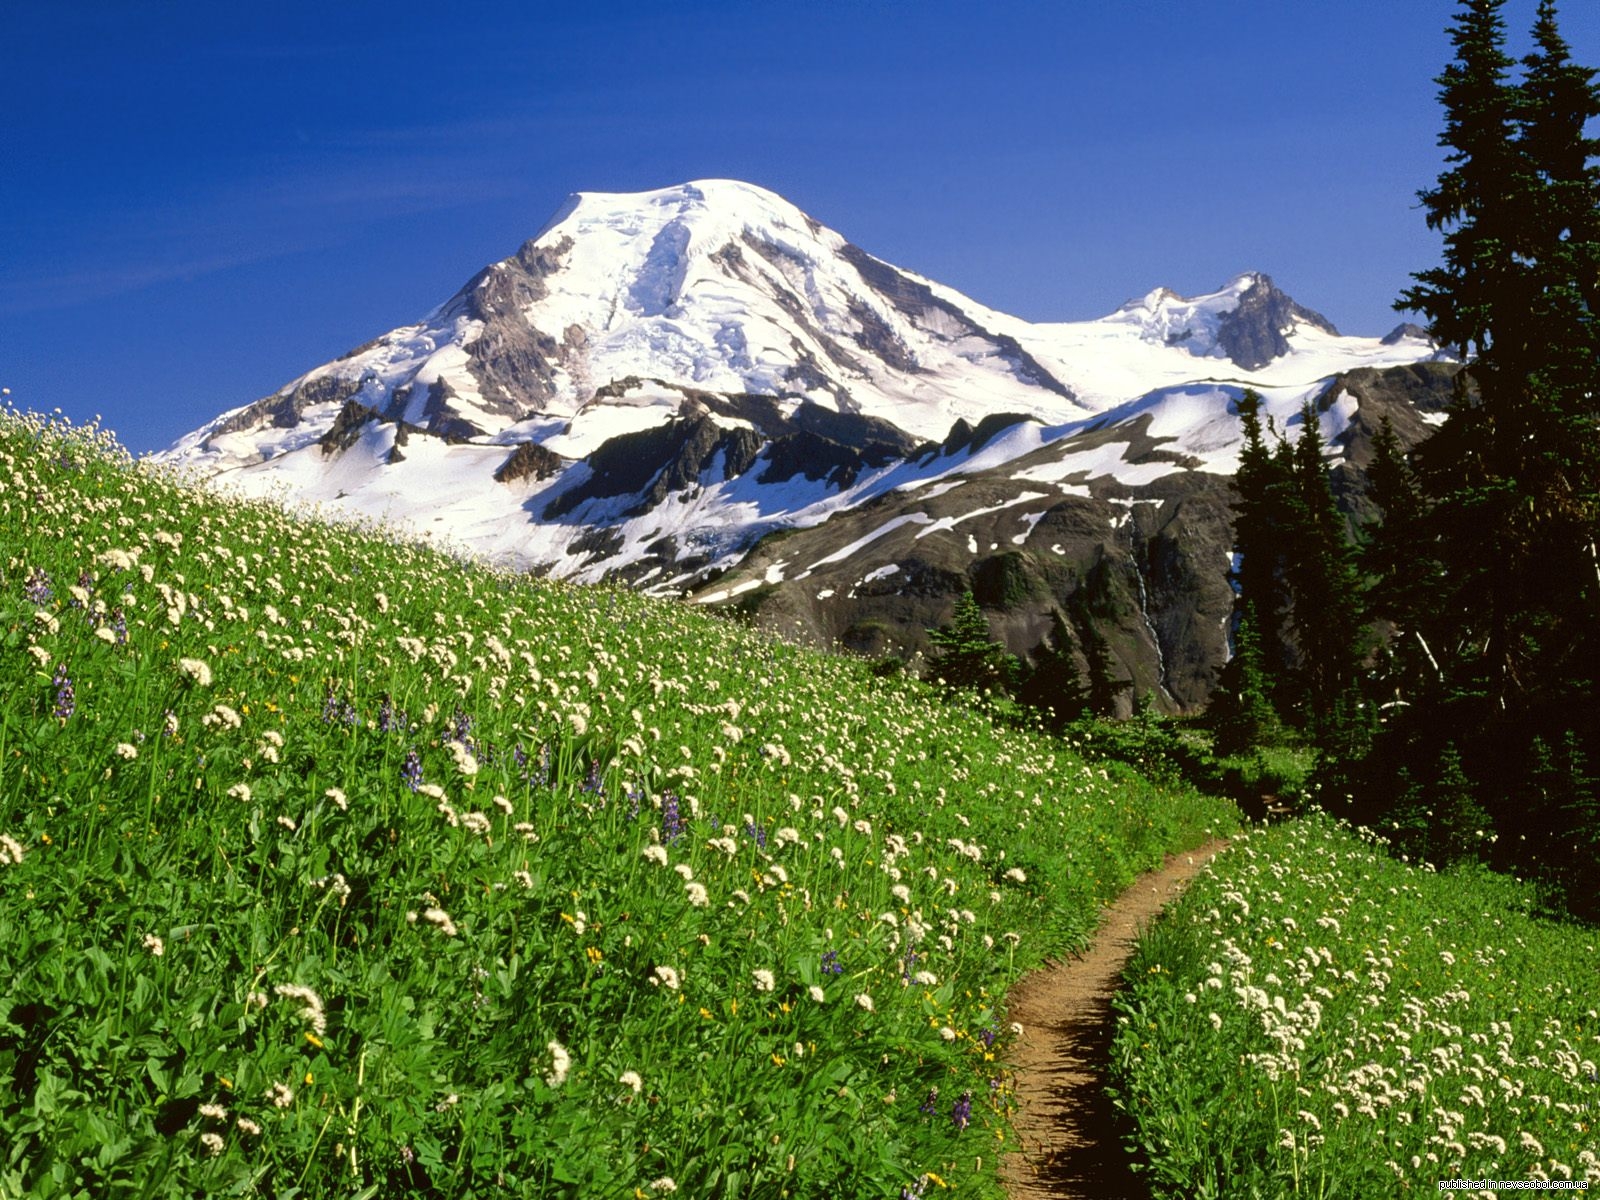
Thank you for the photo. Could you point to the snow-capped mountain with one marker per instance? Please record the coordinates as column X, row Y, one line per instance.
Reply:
column 659, row 380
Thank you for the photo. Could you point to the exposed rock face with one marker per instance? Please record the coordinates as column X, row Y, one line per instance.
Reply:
column 1405, row 331
column 1252, row 335
column 653, row 463
column 514, row 363
column 917, row 300
column 1147, row 565
column 529, row 460
column 346, row 427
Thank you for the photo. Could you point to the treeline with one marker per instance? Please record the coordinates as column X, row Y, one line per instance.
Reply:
column 1444, row 661
column 1441, row 657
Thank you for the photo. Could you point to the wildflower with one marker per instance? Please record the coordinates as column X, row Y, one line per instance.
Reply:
column 310, row 1006
column 477, row 823
column 764, row 979
column 338, row 798
column 337, row 884
column 248, row 1127
column 831, row 964
column 671, row 819
column 213, row 1143
column 656, row 854
column 1216, row 1021
column 10, row 850
column 37, row 589
column 1016, row 875
column 66, row 697
column 287, row 822
column 697, row 894
column 438, row 916
column 240, row 792
column 685, row 871
column 196, row 670
column 411, row 770
column 947, row 1033
column 864, row 1001
column 631, row 1079
column 925, row 979
column 560, row 1064
column 961, row 1111
column 279, row 1095
column 816, row 994
column 664, row 1184
column 155, row 945
column 214, row 1112
column 665, row 977
column 127, row 750
column 931, row 1105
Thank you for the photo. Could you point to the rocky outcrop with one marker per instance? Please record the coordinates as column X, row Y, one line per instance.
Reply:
column 529, row 461
column 346, row 427
column 1253, row 334
column 651, row 464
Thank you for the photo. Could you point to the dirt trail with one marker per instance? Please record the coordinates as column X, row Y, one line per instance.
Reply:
column 1067, row 1128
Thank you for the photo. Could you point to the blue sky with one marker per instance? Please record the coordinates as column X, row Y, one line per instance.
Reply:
column 202, row 201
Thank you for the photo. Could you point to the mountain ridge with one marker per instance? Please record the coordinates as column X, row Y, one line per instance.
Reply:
column 657, row 382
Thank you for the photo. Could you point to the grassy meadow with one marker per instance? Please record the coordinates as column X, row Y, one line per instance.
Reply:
column 333, row 864
column 1316, row 1018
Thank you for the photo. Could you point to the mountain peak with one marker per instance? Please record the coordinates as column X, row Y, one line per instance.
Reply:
column 1246, row 320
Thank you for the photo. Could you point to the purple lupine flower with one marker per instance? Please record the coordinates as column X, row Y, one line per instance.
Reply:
column 460, row 727
column 37, row 589
column 671, row 820
column 66, row 698
column 386, row 714
column 931, row 1105
column 989, row 1033
column 411, row 770
column 831, row 964
column 961, row 1112
column 330, row 708
column 756, row 833
column 635, row 796
column 119, row 626
column 908, row 963
column 591, row 781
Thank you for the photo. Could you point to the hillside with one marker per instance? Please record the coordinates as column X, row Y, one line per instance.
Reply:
column 333, row 864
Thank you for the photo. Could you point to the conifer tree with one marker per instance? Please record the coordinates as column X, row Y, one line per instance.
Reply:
column 1510, row 484
column 1055, row 687
column 969, row 657
column 1322, row 581
column 1261, row 538
column 1240, row 712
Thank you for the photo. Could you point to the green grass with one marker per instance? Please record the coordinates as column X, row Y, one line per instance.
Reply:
column 1316, row 1018
column 334, row 865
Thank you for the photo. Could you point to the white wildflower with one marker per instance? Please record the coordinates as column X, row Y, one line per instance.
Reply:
column 560, row 1064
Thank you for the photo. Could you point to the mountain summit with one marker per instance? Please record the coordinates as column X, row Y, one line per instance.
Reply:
column 658, row 380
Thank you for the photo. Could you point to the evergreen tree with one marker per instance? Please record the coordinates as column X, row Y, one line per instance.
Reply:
column 1322, row 582
column 1458, row 828
column 1055, row 687
column 1510, row 484
column 969, row 657
column 1240, row 712
column 1104, row 687
column 1261, row 538
column 1472, row 202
